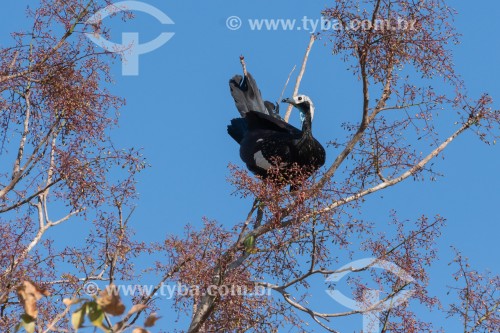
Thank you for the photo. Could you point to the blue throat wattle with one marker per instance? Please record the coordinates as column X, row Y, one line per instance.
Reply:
column 302, row 117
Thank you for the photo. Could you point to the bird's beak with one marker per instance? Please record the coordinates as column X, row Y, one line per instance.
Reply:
column 288, row 100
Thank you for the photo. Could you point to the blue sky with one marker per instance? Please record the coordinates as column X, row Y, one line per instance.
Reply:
column 179, row 105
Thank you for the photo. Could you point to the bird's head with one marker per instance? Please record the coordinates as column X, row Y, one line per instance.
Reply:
column 303, row 103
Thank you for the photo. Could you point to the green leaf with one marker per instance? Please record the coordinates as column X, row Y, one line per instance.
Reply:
column 28, row 323
column 249, row 243
column 96, row 316
column 78, row 317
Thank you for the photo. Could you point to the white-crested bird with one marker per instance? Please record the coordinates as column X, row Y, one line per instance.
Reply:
column 265, row 139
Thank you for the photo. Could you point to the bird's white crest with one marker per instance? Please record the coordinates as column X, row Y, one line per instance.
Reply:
column 303, row 98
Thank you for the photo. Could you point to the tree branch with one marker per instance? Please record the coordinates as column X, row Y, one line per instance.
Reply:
column 403, row 176
column 301, row 74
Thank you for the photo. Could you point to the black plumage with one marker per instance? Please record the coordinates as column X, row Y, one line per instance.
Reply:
column 264, row 138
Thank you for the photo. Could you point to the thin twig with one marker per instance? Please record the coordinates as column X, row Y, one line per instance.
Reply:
column 286, row 83
column 301, row 74
column 14, row 59
column 249, row 218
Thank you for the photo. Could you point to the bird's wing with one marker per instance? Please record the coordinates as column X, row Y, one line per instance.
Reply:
column 268, row 152
column 258, row 120
column 237, row 129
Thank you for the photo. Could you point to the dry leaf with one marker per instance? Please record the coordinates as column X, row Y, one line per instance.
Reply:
column 72, row 301
column 110, row 301
column 151, row 320
column 28, row 294
column 139, row 330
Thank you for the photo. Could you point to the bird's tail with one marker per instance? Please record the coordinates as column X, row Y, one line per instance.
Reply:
column 247, row 96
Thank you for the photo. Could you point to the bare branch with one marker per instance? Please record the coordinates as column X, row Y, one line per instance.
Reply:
column 24, row 135
column 403, row 176
column 301, row 74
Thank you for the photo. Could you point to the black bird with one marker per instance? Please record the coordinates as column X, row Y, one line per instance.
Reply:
column 265, row 138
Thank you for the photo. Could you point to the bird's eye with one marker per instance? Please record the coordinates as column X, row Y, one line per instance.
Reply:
column 300, row 98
